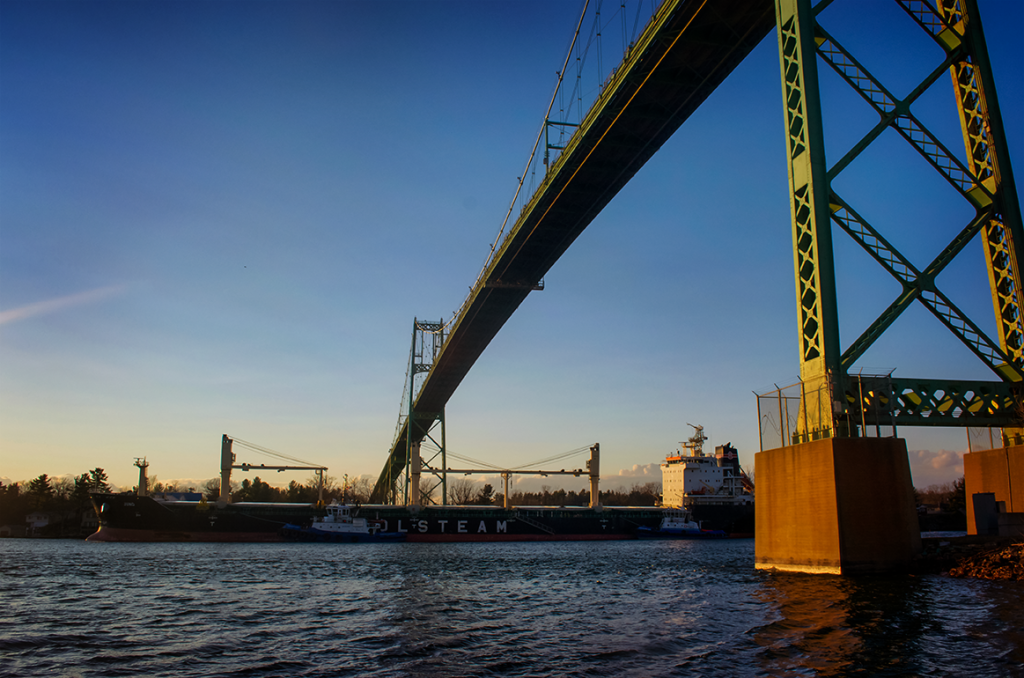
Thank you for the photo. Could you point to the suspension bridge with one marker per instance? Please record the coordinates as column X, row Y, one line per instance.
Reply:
column 685, row 52
column 686, row 49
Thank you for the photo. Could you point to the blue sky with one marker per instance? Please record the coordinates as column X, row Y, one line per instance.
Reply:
column 223, row 217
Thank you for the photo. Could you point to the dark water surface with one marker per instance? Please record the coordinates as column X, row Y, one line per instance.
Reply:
column 519, row 609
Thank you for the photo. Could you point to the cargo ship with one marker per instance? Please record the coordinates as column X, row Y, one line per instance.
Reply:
column 129, row 517
column 713, row 488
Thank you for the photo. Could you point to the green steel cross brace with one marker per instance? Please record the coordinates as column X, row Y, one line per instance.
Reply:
column 836, row 403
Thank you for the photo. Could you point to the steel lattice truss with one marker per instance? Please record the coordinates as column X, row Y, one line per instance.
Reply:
column 885, row 401
column 394, row 483
column 986, row 183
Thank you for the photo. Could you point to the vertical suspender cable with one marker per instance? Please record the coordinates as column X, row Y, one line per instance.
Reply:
column 540, row 135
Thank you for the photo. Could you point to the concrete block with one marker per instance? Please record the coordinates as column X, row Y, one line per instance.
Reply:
column 999, row 471
column 1015, row 467
column 1011, row 524
column 836, row 506
column 986, row 513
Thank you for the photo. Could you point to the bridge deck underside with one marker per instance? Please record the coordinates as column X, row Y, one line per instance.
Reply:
column 681, row 58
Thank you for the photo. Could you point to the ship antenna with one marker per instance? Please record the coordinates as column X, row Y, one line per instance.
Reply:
column 696, row 441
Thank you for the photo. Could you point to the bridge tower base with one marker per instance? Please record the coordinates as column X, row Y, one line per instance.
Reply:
column 837, row 505
column 999, row 471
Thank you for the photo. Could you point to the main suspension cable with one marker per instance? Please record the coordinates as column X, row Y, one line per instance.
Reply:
column 271, row 453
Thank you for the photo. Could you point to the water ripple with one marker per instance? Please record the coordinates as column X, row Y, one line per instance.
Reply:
column 533, row 609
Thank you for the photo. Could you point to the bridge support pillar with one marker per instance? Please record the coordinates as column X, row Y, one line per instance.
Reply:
column 999, row 471
column 227, row 459
column 837, row 505
column 415, row 472
column 594, row 467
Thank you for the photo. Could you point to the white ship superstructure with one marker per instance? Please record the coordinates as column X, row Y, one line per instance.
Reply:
column 692, row 478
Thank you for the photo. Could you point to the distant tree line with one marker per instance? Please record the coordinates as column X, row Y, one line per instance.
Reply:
column 951, row 496
column 64, row 501
column 646, row 494
column 465, row 492
column 70, row 495
column 352, row 491
column 942, row 507
column 67, row 505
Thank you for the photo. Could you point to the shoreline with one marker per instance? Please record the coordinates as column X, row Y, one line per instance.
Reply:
column 972, row 556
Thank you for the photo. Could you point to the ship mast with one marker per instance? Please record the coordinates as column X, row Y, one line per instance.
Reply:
column 695, row 444
column 143, row 490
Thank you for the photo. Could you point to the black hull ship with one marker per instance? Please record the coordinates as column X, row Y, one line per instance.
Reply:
column 131, row 518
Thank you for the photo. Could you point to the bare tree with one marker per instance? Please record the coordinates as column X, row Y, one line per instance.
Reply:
column 211, row 488
column 462, row 491
column 62, row 487
column 331, row 488
column 427, row 489
column 360, row 489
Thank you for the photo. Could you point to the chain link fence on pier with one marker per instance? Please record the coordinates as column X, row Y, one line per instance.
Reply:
column 980, row 439
column 814, row 410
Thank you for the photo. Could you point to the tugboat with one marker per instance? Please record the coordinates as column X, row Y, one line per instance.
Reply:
column 678, row 524
column 339, row 525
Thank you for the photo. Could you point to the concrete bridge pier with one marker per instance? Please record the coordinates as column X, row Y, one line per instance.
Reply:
column 837, row 505
column 1000, row 472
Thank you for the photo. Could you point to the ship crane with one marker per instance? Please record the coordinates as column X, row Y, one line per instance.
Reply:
column 706, row 489
column 593, row 471
column 227, row 462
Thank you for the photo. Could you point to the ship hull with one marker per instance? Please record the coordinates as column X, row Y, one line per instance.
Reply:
column 296, row 533
column 120, row 534
column 439, row 538
column 669, row 535
column 735, row 519
column 129, row 518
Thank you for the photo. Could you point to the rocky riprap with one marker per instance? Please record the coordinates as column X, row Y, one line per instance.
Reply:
column 1005, row 562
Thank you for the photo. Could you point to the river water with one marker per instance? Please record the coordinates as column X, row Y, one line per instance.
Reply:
column 630, row 608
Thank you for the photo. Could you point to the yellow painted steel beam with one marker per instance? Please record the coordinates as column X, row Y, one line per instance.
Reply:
column 989, row 161
column 820, row 366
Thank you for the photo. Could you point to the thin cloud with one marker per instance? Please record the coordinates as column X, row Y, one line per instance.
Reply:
column 943, row 459
column 58, row 304
column 928, row 467
column 644, row 472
